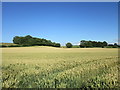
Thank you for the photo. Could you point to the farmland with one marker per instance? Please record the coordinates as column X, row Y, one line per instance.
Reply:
column 50, row 67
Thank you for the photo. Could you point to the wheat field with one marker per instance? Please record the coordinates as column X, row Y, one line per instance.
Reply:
column 50, row 67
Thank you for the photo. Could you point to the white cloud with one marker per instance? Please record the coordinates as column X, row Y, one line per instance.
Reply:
column 76, row 43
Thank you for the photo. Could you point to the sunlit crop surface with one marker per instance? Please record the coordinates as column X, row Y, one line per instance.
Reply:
column 49, row 67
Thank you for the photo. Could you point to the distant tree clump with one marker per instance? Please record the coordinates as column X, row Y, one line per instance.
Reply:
column 115, row 45
column 57, row 45
column 33, row 41
column 69, row 45
column 86, row 44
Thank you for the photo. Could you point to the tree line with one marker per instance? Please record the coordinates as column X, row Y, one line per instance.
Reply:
column 86, row 44
column 33, row 41
column 90, row 44
column 28, row 40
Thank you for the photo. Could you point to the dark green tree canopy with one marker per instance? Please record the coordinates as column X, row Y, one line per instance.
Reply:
column 69, row 45
column 32, row 41
column 86, row 44
column 115, row 44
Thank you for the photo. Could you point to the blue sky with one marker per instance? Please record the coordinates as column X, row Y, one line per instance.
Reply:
column 61, row 21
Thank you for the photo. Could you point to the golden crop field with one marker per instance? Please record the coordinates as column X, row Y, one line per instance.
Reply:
column 50, row 67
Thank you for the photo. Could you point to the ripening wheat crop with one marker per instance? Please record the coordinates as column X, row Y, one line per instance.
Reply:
column 49, row 67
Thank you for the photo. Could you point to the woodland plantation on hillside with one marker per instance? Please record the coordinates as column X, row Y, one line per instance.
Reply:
column 33, row 41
